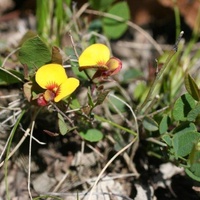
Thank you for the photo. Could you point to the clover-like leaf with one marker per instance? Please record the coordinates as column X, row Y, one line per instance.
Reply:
column 182, row 107
column 113, row 28
column 92, row 135
column 34, row 53
column 163, row 126
column 183, row 142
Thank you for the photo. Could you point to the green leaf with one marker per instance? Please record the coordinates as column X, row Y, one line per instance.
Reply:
column 149, row 124
column 90, row 100
column 183, row 143
column 167, row 139
column 100, row 4
column 192, row 175
column 185, row 127
column 192, row 87
column 28, row 35
column 68, row 2
column 164, row 124
column 193, row 114
column 63, row 128
column 92, row 135
column 101, row 97
column 194, row 170
column 115, row 28
column 80, row 75
column 140, row 92
column 131, row 74
column 182, row 107
column 75, row 104
column 115, row 103
column 8, row 77
column 95, row 25
column 34, row 53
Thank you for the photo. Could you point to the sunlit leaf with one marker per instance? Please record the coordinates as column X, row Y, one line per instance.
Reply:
column 140, row 91
column 185, row 127
column 182, row 107
column 34, row 53
column 68, row 2
column 194, row 170
column 115, row 28
column 194, row 113
column 164, row 124
column 167, row 139
column 183, row 142
column 92, row 135
column 28, row 35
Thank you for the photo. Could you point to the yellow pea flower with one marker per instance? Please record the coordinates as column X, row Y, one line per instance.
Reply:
column 97, row 56
column 53, row 78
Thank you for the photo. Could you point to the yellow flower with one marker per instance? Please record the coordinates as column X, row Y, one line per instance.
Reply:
column 53, row 78
column 97, row 56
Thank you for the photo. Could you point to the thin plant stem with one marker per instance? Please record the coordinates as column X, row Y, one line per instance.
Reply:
column 107, row 164
column 61, row 182
column 95, row 151
column 30, row 150
column 7, row 153
column 17, row 146
column 77, row 15
column 102, row 119
column 160, row 73
column 73, row 44
column 177, row 18
column 154, row 113
column 151, row 139
column 195, row 36
column 77, row 56
column 132, row 112
column 10, row 54
column 29, row 161
column 11, row 74
column 135, row 146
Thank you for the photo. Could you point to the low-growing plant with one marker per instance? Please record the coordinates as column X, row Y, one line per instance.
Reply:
column 79, row 86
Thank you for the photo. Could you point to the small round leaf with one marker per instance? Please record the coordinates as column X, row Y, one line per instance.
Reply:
column 92, row 135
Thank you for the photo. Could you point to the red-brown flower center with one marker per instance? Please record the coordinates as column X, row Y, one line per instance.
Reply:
column 52, row 90
column 49, row 95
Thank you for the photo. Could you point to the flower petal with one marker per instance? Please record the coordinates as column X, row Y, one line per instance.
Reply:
column 67, row 88
column 114, row 64
column 50, row 74
column 95, row 55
